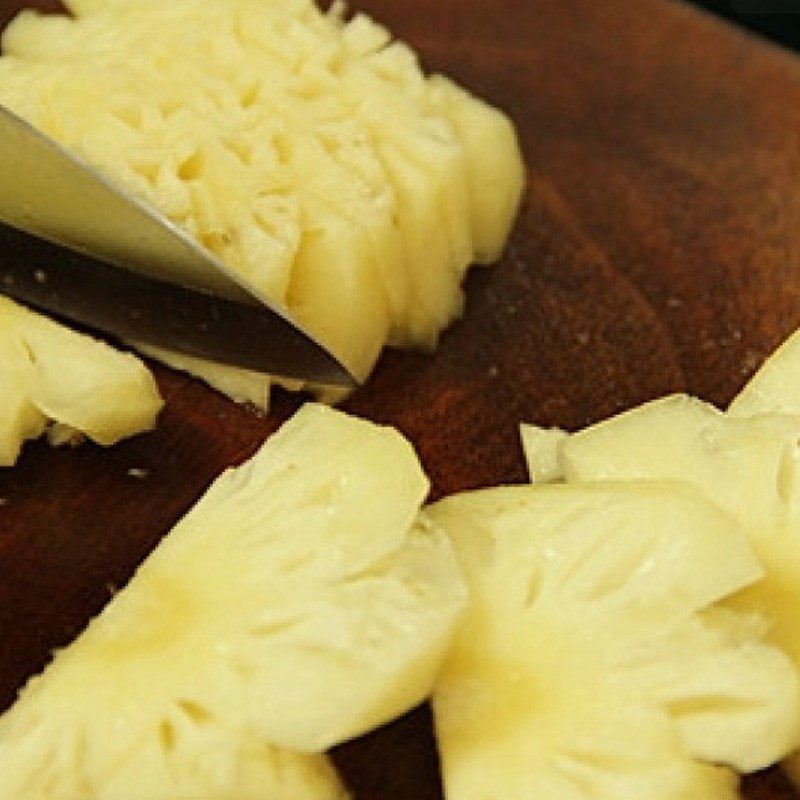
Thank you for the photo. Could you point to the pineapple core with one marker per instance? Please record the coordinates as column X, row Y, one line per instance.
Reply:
column 297, row 605
column 307, row 151
column 52, row 376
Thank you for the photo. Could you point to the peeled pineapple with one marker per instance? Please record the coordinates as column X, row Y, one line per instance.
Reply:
column 592, row 662
column 50, row 374
column 750, row 466
column 298, row 604
column 775, row 388
column 309, row 152
column 542, row 448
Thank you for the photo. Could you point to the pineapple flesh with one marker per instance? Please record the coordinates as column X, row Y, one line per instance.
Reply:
column 52, row 376
column 307, row 151
column 297, row 605
column 775, row 388
column 749, row 466
column 593, row 661
column 542, row 449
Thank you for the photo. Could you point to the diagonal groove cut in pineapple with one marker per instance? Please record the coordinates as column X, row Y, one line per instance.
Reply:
column 50, row 374
column 298, row 604
column 308, row 151
column 592, row 662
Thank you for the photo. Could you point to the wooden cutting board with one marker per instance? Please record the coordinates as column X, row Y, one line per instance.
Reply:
column 658, row 250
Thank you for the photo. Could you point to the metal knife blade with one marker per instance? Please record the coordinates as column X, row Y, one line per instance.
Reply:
column 137, row 308
column 114, row 263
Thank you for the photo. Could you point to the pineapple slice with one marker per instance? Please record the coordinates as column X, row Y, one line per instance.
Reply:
column 49, row 373
column 298, row 604
column 746, row 466
column 542, row 448
column 187, row 756
column 307, row 151
column 750, row 467
column 591, row 662
column 240, row 384
column 775, row 388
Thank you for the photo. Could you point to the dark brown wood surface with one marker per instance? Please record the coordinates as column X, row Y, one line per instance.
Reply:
column 658, row 249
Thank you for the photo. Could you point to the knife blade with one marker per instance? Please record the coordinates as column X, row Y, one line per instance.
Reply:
column 74, row 244
column 140, row 309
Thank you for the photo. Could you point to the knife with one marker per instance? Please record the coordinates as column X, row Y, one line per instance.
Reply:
column 73, row 244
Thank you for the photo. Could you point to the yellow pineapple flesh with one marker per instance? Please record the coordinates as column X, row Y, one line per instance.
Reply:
column 308, row 151
column 592, row 661
column 297, row 605
column 749, row 466
column 50, row 374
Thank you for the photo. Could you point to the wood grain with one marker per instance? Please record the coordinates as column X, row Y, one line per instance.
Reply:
column 658, row 249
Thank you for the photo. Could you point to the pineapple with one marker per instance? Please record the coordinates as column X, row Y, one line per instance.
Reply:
column 307, row 151
column 50, row 374
column 775, row 388
column 542, row 447
column 592, row 661
column 239, row 384
column 297, row 605
column 747, row 466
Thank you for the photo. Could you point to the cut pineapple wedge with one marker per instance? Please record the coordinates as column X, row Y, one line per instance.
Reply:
column 542, row 448
column 592, row 662
column 775, row 388
column 307, row 151
column 298, row 604
column 50, row 374
column 749, row 466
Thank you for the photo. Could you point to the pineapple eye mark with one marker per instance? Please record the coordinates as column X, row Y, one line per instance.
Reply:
column 129, row 115
column 240, row 148
column 248, row 98
column 30, row 353
column 80, row 752
column 166, row 736
column 275, row 628
column 283, row 149
column 195, row 712
column 296, row 563
column 367, row 574
column 786, row 479
column 323, row 495
column 534, row 588
column 191, row 168
column 216, row 241
column 713, row 704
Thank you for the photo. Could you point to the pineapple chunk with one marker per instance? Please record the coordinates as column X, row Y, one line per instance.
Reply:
column 298, row 604
column 185, row 756
column 49, row 373
column 307, row 151
column 542, row 448
column 746, row 466
column 750, row 467
column 775, row 388
column 241, row 385
column 591, row 663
